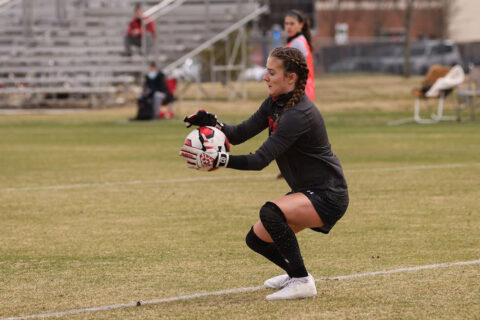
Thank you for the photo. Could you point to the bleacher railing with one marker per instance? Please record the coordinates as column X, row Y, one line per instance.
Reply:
column 7, row 4
column 153, row 13
column 242, row 22
column 162, row 8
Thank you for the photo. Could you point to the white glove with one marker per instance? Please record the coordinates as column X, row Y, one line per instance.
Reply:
column 204, row 160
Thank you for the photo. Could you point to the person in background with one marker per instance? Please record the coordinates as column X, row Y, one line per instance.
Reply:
column 155, row 94
column 134, row 32
column 297, row 27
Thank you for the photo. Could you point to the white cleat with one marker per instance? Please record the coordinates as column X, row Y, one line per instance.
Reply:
column 296, row 288
column 277, row 282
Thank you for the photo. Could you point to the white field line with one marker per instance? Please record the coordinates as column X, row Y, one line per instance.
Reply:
column 236, row 290
column 237, row 177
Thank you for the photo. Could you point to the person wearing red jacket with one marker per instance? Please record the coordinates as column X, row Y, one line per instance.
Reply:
column 134, row 32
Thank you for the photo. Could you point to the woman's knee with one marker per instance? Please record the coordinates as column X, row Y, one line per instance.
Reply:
column 272, row 217
column 271, row 214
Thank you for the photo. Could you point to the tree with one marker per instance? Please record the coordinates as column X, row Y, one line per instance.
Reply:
column 408, row 26
column 447, row 9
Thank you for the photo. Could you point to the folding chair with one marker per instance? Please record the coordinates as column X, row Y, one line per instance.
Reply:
column 440, row 89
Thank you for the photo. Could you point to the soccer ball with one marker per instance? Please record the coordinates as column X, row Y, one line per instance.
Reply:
column 205, row 138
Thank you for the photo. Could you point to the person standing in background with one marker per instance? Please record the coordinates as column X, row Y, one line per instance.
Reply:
column 297, row 27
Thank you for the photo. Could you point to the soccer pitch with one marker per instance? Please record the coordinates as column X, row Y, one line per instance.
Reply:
column 96, row 212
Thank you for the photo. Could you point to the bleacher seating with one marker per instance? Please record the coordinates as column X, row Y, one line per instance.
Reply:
column 84, row 45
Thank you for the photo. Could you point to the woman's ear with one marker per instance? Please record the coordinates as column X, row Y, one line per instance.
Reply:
column 292, row 78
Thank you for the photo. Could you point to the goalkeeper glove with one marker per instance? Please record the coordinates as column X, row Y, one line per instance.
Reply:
column 204, row 160
column 202, row 118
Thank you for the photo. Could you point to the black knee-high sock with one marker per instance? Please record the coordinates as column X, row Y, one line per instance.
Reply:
column 266, row 249
column 284, row 238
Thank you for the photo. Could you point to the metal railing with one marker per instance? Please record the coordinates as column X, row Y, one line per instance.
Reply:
column 151, row 14
column 162, row 8
column 220, row 36
column 7, row 4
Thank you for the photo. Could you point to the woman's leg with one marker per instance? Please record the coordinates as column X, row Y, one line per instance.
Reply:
column 267, row 249
column 299, row 213
column 157, row 102
column 280, row 220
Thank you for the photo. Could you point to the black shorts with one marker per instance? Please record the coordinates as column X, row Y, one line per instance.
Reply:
column 330, row 206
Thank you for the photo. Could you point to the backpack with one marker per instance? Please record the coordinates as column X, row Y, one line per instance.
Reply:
column 145, row 108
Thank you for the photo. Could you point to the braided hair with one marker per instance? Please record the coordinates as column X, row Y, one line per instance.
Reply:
column 293, row 61
column 302, row 18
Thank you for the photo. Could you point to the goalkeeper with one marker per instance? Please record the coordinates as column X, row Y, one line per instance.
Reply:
column 298, row 142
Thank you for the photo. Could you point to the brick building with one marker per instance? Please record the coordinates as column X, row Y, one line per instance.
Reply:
column 367, row 19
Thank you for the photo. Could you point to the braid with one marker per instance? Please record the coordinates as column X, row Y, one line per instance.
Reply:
column 293, row 62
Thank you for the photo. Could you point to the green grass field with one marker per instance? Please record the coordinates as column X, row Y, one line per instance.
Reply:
column 95, row 211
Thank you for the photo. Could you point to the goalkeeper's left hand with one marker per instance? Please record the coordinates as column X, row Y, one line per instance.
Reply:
column 202, row 118
column 204, row 160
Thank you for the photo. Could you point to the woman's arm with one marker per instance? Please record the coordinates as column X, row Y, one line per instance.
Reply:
column 249, row 128
column 291, row 126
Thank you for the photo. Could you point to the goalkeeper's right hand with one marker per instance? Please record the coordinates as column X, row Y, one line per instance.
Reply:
column 202, row 118
column 204, row 160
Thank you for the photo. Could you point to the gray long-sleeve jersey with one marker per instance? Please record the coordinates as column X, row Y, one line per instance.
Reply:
column 298, row 141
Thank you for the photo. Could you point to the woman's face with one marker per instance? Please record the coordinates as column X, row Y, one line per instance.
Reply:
column 292, row 26
column 277, row 80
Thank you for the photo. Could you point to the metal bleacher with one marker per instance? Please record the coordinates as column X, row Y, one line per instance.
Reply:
column 67, row 52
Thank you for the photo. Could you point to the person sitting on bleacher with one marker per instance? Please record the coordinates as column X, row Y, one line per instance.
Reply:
column 135, row 32
column 155, row 94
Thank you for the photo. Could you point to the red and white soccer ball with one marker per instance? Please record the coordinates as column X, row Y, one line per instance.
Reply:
column 208, row 138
